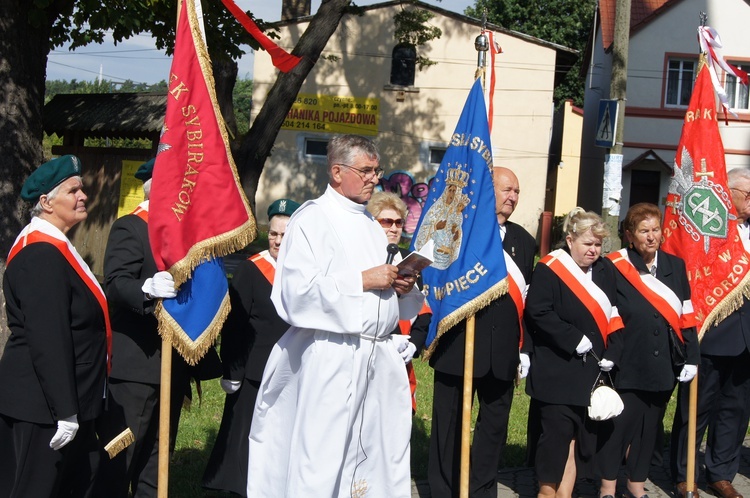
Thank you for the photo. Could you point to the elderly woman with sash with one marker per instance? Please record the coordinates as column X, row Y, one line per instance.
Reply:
column 52, row 373
column 570, row 312
column 653, row 297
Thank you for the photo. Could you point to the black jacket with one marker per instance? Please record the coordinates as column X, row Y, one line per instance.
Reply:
column 54, row 363
column 641, row 351
column 557, row 320
column 252, row 328
column 497, row 332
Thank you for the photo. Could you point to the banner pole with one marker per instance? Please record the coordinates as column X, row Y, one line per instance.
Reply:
column 164, row 402
column 466, row 407
column 692, row 423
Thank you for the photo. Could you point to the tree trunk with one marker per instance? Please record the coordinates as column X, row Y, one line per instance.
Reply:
column 23, row 61
column 257, row 144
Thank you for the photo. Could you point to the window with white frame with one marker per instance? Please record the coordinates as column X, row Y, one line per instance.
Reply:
column 436, row 156
column 680, row 78
column 737, row 93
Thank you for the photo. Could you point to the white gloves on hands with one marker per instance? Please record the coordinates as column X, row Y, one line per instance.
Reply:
column 524, row 366
column 606, row 365
column 405, row 348
column 584, row 346
column 230, row 386
column 66, row 431
column 687, row 373
column 161, row 285
column 408, row 354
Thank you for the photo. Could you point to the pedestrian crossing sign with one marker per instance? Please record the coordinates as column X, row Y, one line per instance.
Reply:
column 606, row 124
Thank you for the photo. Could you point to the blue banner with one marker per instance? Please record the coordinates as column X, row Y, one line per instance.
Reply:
column 468, row 269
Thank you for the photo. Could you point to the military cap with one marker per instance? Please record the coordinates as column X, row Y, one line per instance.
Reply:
column 49, row 175
column 282, row 206
column 145, row 170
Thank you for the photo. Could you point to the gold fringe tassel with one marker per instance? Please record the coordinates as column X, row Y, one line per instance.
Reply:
column 215, row 247
column 119, row 443
column 470, row 308
column 191, row 350
column 731, row 303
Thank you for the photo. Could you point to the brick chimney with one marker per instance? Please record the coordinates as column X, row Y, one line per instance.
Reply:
column 292, row 9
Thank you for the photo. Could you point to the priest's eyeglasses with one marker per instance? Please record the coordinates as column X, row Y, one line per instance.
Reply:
column 743, row 192
column 366, row 174
column 389, row 222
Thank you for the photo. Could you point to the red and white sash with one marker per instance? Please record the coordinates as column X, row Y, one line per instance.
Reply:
column 141, row 211
column 591, row 296
column 265, row 264
column 679, row 314
column 516, row 289
column 40, row 230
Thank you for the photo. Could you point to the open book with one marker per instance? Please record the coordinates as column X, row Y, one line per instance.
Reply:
column 417, row 260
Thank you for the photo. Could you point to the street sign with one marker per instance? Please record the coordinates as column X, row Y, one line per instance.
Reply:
column 606, row 124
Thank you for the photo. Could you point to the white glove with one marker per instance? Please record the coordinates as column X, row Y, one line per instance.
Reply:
column 161, row 285
column 408, row 354
column 687, row 373
column 524, row 366
column 584, row 346
column 400, row 341
column 66, row 431
column 606, row 365
column 230, row 386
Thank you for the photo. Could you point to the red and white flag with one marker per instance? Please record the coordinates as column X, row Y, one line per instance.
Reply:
column 700, row 223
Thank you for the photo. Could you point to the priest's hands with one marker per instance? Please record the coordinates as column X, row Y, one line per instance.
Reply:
column 384, row 277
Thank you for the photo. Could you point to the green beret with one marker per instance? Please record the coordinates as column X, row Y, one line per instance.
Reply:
column 282, row 206
column 145, row 170
column 49, row 175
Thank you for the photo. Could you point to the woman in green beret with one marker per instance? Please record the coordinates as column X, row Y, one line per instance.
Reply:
column 52, row 373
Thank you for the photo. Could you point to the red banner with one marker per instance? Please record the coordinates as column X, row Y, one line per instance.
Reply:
column 700, row 221
column 198, row 209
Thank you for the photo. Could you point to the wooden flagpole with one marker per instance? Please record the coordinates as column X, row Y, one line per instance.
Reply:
column 691, row 436
column 481, row 44
column 164, row 402
column 466, row 406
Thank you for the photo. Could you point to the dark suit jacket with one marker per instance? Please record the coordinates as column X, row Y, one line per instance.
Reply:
column 128, row 262
column 641, row 350
column 54, row 364
column 557, row 320
column 253, row 326
column 497, row 332
column 731, row 337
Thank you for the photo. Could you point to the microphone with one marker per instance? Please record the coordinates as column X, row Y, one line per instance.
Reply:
column 392, row 250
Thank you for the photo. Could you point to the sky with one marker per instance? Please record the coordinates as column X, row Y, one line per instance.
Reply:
column 137, row 58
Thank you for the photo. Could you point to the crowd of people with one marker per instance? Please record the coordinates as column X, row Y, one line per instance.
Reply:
column 317, row 353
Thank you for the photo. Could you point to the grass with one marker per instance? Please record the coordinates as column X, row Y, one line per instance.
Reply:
column 200, row 423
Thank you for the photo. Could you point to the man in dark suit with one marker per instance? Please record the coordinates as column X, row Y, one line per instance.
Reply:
column 133, row 284
column 496, row 364
column 723, row 383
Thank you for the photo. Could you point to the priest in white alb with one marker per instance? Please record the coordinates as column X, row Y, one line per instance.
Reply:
column 333, row 413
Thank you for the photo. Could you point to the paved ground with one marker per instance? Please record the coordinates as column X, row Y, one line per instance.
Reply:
column 521, row 482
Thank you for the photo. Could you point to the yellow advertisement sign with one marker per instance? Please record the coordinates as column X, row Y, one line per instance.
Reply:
column 131, row 188
column 331, row 114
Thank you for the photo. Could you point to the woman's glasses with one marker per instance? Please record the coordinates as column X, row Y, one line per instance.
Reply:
column 389, row 222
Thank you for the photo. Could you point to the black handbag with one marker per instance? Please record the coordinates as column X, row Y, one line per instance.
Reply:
column 677, row 350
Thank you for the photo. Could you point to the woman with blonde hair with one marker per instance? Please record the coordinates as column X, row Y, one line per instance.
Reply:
column 570, row 312
column 390, row 211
